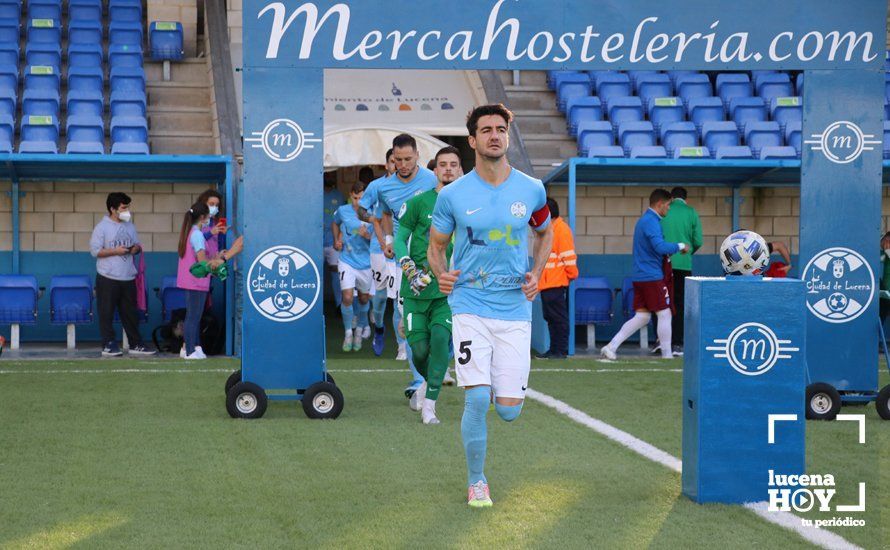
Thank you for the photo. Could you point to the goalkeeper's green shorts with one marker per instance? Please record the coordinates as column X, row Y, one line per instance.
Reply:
column 420, row 315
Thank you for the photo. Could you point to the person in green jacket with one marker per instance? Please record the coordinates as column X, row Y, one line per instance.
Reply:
column 884, row 304
column 681, row 225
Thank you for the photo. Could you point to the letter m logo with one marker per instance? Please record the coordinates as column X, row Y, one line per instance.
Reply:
column 753, row 346
column 279, row 140
column 841, row 141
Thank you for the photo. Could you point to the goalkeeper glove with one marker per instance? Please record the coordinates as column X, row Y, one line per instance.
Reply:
column 418, row 279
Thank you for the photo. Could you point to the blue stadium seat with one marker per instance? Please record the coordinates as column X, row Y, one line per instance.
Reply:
column 10, row 9
column 716, row 134
column 625, row 109
column 85, row 55
column 128, row 104
column 85, row 31
column 666, row 110
column 774, row 85
column 85, row 104
column 9, row 54
column 677, row 135
column 653, row 85
column 634, row 76
column 127, row 79
column 887, row 139
column 45, row 9
column 648, row 152
column 90, row 10
column 612, row 85
column 785, row 109
column 172, row 297
column 124, row 55
column 772, row 153
column 609, row 151
column 18, row 299
column 165, row 40
column 675, row 75
column 86, row 134
column 593, row 305
column 553, row 77
column 125, row 32
column 125, row 11
column 762, row 134
column 732, row 85
column 886, row 109
column 86, row 79
column 10, row 29
column 129, row 135
column 794, row 137
column 70, row 300
column 7, row 133
column 45, row 30
column 705, row 109
column 757, row 76
column 886, row 84
column 635, row 134
column 743, row 110
column 7, row 105
column 9, row 80
column 571, row 87
column 40, row 102
column 595, row 75
column 692, row 86
column 40, row 134
column 735, row 152
column 582, row 108
column 799, row 84
column 44, row 54
column 692, row 153
column 42, row 77
column 594, row 133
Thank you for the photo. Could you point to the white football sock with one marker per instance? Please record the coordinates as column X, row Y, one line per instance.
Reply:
column 664, row 332
column 635, row 323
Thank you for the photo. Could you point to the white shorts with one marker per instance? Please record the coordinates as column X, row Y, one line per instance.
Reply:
column 491, row 352
column 379, row 272
column 394, row 288
column 350, row 277
column 331, row 256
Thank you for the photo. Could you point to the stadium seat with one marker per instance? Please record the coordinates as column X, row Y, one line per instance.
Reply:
column 886, row 109
column 7, row 133
column 582, row 108
column 129, row 135
column 716, row 134
column 887, row 139
column 634, row 76
column 85, row 31
column 171, row 296
column 757, row 76
column 86, row 134
column 743, row 110
column 666, row 110
column 610, row 151
column 773, row 153
column 735, row 152
column 785, row 109
column 624, row 109
column 10, row 9
column 571, row 87
column 40, row 102
column 595, row 75
column 128, row 104
column 85, row 104
column 553, row 77
column 635, row 134
column 125, row 32
column 799, row 84
column 40, row 134
column 774, row 85
column 9, row 54
column 45, row 9
column 89, row 10
column 648, row 152
column 732, row 85
column 127, row 79
column 85, row 55
column 594, row 133
column 18, row 303
column 44, row 54
column 692, row 86
column 593, row 305
column 886, row 84
column 125, row 11
column 70, row 302
column 705, row 109
column 7, row 105
column 794, row 137
column 762, row 134
column 124, row 55
column 561, row 75
column 677, row 135
column 86, row 79
column 9, row 80
column 42, row 77
column 10, row 29
column 165, row 40
column 675, row 75
column 692, row 153
column 612, row 85
column 45, row 30
column 653, row 85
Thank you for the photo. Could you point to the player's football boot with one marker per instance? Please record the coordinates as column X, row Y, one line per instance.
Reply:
column 357, row 341
column 448, row 380
column 417, row 398
column 377, row 344
column 347, row 342
column 478, row 496
column 608, row 353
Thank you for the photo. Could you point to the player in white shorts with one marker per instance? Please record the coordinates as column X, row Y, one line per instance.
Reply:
column 490, row 284
column 333, row 200
column 352, row 237
column 380, row 270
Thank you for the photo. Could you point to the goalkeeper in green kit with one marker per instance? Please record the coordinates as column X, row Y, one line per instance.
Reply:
column 427, row 317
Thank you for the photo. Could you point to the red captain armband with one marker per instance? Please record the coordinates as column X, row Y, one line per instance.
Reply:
column 539, row 217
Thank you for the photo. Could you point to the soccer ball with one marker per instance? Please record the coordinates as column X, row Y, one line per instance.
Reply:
column 744, row 253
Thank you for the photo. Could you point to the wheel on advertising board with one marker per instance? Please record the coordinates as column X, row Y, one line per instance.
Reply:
column 246, row 400
column 883, row 402
column 323, row 400
column 823, row 402
column 233, row 379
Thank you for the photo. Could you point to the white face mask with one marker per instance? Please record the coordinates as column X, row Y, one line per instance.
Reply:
column 125, row 216
column 214, row 210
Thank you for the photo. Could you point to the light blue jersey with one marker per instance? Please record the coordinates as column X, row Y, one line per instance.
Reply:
column 333, row 200
column 490, row 226
column 355, row 247
column 392, row 193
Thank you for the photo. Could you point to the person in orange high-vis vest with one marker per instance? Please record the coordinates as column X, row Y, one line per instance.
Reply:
column 561, row 268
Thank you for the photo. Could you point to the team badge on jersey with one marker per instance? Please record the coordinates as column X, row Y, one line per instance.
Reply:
column 518, row 209
column 403, row 209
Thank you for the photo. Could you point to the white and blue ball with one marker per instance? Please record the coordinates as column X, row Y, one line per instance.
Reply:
column 744, row 253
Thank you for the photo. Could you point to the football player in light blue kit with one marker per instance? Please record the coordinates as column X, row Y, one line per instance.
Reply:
column 380, row 270
column 352, row 238
column 392, row 193
column 490, row 284
column 333, row 200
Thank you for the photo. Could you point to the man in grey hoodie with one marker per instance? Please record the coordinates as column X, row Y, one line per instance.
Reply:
column 113, row 244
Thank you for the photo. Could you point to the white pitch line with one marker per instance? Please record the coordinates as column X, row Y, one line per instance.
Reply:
column 821, row 537
column 114, row 371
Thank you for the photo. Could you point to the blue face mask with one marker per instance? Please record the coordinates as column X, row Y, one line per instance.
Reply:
column 214, row 210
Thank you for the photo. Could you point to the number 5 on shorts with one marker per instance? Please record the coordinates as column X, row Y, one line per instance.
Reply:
column 466, row 354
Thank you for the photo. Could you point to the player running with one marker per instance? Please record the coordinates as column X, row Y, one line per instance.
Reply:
column 352, row 238
column 490, row 286
column 427, row 317
column 380, row 270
